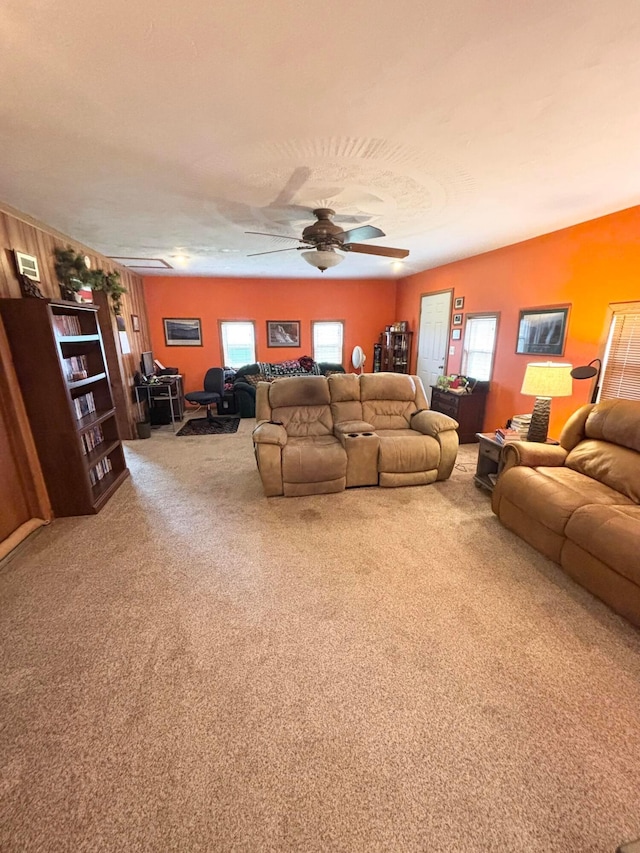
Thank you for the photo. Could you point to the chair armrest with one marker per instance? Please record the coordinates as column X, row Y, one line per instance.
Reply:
column 532, row 455
column 432, row 423
column 268, row 432
column 345, row 427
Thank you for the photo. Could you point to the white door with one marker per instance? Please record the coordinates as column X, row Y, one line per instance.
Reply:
column 435, row 311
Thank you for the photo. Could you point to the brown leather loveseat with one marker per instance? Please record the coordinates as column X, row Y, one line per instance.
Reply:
column 579, row 503
column 317, row 435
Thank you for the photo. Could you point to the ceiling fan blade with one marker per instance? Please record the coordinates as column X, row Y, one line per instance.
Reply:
column 277, row 236
column 273, row 251
column 375, row 250
column 298, row 179
column 364, row 232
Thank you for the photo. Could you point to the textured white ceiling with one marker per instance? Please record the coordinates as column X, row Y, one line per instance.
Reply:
column 152, row 130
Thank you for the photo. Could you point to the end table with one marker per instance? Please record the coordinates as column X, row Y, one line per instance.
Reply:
column 489, row 460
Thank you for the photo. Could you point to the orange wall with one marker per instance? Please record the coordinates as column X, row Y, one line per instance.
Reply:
column 587, row 266
column 366, row 306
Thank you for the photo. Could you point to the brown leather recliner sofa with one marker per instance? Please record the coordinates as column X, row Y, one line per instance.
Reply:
column 317, row 435
column 579, row 503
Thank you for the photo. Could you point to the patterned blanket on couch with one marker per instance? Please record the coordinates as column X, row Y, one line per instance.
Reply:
column 293, row 367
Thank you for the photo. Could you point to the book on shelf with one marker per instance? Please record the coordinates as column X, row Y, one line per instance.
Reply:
column 75, row 367
column 100, row 470
column 67, row 325
column 91, row 439
column 84, row 405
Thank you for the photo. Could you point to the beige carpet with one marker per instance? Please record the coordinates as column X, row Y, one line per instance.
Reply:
column 199, row 668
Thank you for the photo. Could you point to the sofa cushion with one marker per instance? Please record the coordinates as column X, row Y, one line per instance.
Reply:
column 301, row 421
column 388, row 414
column 387, row 386
column 407, row 451
column 552, row 495
column 314, row 459
column 615, row 421
column 344, row 387
column 611, row 534
column 251, row 378
column 299, row 391
column 345, row 397
column 616, row 466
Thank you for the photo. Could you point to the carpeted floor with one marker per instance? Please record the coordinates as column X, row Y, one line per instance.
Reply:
column 198, row 668
column 209, row 426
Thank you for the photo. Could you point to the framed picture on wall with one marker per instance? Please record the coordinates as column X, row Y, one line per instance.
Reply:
column 182, row 332
column 283, row 333
column 458, row 303
column 455, row 334
column 27, row 265
column 457, row 319
column 135, row 322
column 542, row 331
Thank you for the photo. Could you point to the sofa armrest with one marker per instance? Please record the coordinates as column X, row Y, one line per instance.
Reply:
column 432, row 423
column 246, row 398
column 269, row 432
column 532, row 455
column 345, row 427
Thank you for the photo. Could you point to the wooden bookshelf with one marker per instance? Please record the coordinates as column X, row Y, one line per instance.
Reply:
column 72, row 416
column 393, row 352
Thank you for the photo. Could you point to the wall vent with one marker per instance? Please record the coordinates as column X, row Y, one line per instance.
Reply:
column 143, row 263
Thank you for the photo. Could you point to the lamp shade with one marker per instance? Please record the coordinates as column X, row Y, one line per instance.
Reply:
column 322, row 259
column 547, row 379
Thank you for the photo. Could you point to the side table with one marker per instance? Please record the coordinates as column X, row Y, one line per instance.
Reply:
column 489, row 461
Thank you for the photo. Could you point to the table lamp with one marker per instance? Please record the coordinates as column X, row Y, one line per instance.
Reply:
column 544, row 380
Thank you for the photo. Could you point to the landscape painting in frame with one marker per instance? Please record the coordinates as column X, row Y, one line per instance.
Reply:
column 182, row 332
column 283, row 333
column 542, row 331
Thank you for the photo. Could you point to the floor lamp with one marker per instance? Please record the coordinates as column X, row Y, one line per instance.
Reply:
column 544, row 380
column 588, row 371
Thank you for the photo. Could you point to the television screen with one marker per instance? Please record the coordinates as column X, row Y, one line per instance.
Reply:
column 147, row 366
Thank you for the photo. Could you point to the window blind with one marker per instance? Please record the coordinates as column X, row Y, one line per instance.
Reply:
column 238, row 343
column 327, row 341
column 621, row 373
column 479, row 342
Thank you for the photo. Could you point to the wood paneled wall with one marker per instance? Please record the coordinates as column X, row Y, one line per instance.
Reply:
column 24, row 234
column 24, row 503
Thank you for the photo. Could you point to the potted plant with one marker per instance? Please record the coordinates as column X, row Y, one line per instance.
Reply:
column 71, row 271
column 74, row 274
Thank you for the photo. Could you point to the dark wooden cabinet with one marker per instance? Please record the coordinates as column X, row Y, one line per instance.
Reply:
column 393, row 352
column 60, row 363
column 467, row 409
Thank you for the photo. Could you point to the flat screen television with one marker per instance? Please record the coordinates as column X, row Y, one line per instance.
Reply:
column 147, row 365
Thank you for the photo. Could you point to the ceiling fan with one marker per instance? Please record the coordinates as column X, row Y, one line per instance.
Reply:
column 323, row 238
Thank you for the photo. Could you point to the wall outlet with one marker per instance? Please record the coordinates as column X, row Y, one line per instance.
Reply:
column 452, row 350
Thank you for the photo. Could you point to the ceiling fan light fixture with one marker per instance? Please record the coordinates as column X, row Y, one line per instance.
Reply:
column 323, row 259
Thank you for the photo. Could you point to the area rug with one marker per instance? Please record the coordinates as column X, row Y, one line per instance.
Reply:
column 216, row 426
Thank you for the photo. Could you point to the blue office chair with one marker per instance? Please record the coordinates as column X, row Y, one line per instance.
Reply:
column 213, row 391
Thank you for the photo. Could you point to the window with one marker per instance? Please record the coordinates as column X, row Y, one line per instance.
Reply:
column 327, row 340
column 621, row 371
column 479, row 344
column 238, row 343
